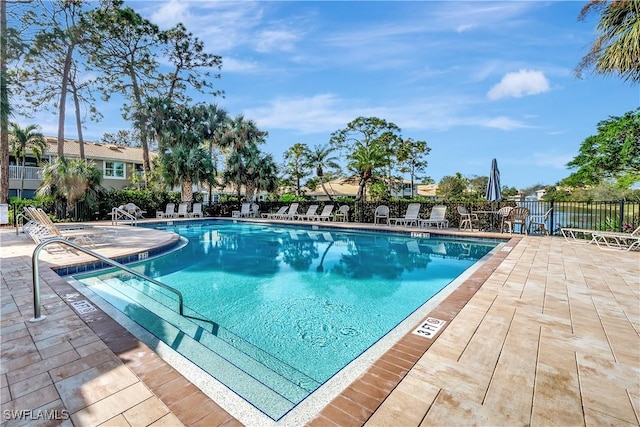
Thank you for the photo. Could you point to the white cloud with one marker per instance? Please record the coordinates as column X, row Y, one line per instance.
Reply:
column 504, row 123
column 273, row 40
column 517, row 85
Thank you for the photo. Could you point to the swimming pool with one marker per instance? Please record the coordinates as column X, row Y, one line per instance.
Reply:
column 287, row 307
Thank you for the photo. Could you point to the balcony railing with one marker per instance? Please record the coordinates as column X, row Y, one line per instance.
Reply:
column 30, row 173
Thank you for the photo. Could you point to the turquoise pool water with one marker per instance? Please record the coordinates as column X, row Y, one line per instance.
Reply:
column 287, row 307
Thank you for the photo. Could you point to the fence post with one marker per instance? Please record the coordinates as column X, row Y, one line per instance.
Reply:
column 552, row 222
column 621, row 215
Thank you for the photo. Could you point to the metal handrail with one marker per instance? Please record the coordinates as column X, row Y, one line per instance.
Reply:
column 37, row 316
column 116, row 214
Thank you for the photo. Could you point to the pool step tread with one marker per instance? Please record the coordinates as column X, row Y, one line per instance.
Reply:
column 236, row 343
column 243, row 384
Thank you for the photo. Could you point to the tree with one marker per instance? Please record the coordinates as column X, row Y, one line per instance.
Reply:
column 71, row 180
column 26, row 141
column 616, row 48
column 123, row 48
column 296, row 165
column 321, row 158
column 368, row 143
column 478, row 185
column 252, row 169
column 613, row 154
column 452, row 186
column 63, row 28
column 122, row 138
column 412, row 158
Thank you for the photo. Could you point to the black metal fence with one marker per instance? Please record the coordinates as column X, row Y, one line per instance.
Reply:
column 607, row 215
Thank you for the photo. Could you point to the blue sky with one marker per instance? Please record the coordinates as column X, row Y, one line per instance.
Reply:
column 477, row 80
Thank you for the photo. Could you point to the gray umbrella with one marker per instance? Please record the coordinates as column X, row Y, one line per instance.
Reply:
column 494, row 194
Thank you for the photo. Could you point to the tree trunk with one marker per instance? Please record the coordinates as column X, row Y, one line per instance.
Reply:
column 63, row 100
column 4, row 107
column 250, row 189
column 22, row 178
column 361, row 184
column 146, row 164
column 187, row 191
column 76, row 102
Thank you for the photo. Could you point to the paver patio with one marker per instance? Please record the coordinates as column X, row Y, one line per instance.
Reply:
column 545, row 333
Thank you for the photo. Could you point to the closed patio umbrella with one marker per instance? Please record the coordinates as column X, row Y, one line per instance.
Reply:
column 494, row 194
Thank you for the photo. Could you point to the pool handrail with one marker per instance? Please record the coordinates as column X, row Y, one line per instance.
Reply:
column 37, row 316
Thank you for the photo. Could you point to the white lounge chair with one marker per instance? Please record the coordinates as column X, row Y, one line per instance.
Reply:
column 311, row 211
column 411, row 217
column 381, row 214
column 610, row 239
column 245, row 210
column 436, row 218
column 169, row 211
column 277, row 214
column 539, row 222
column 196, row 211
column 325, row 215
column 134, row 210
column 291, row 213
column 183, row 210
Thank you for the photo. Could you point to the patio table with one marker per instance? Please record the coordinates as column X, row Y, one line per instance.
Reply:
column 492, row 215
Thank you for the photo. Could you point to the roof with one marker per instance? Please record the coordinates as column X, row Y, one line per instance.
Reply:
column 349, row 188
column 94, row 150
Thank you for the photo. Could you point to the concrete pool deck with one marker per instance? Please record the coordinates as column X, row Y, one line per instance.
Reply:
column 545, row 332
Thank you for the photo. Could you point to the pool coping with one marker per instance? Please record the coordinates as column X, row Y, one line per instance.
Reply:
column 355, row 403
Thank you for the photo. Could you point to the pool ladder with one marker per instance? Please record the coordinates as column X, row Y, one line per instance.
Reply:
column 37, row 316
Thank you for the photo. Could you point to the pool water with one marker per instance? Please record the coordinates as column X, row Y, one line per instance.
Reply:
column 287, row 307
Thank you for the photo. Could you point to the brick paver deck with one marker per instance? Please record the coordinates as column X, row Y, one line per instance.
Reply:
column 546, row 333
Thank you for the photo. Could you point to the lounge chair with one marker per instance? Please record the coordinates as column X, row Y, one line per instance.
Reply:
column 40, row 228
column 436, row 218
column 183, row 210
column 517, row 216
column 169, row 211
column 291, row 213
column 411, row 216
column 277, row 214
column 196, row 211
column 610, row 239
column 134, row 210
column 539, row 222
column 326, row 214
column 311, row 211
column 381, row 214
column 245, row 210
column 467, row 219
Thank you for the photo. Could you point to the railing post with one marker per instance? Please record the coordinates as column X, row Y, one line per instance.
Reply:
column 35, row 269
column 621, row 215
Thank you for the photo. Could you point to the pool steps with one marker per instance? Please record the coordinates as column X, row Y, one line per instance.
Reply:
column 190, row 338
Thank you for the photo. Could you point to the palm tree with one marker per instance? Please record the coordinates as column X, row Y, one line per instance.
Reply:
column 71, row 180
column 213, row 129
column 239, row 132
column 253, row 169
column 363, row 161
column 26, row 141
column 616, row 48
column 185, row 164
column 296, row 165
column 321, row 158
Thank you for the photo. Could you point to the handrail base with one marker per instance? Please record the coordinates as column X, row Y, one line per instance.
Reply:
column 37, row 319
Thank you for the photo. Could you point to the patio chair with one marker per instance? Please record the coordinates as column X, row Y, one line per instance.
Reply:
column 467, row 219
column 169, row 211
column 539, row 222
column 311, row 211
column 517, row 216
column 411, row 216
column 254, row 210
column 326, row 214
column 196, row 211
column 503, row 212
column 342, row 214
column 183, row 210
column 437, row 218
column 381, row 214
column 274, row 215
